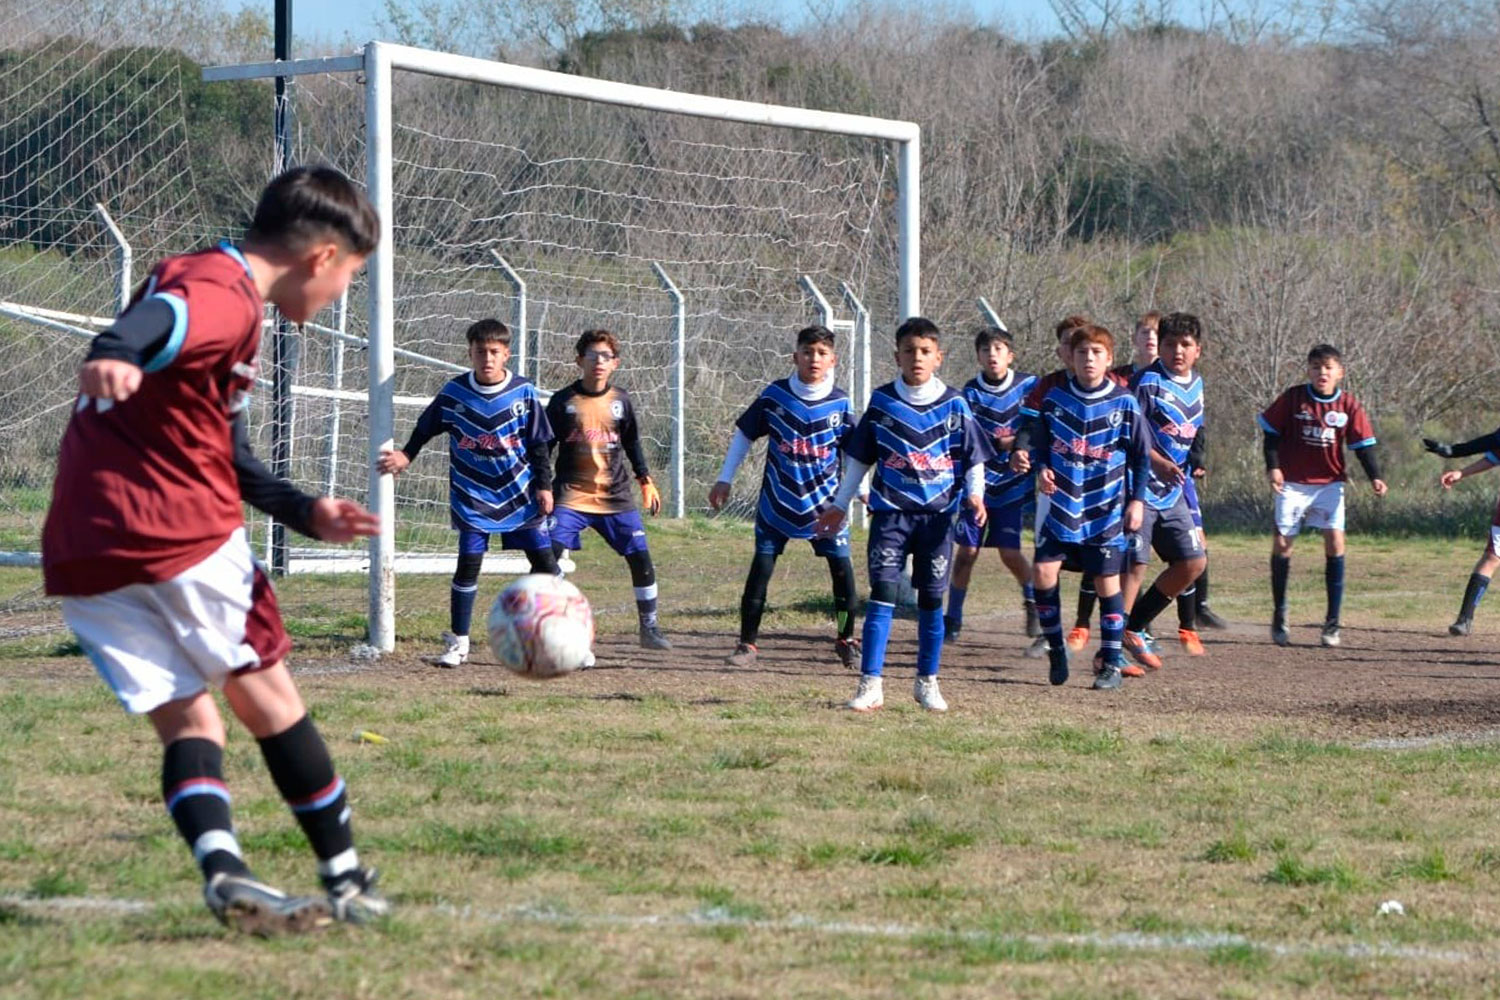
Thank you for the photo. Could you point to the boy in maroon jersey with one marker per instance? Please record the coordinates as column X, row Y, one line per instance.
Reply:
column 145, row 539
column 1306, row 430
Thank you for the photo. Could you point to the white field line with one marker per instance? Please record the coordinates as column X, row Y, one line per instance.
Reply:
column 712, row 917
column 1471, row 737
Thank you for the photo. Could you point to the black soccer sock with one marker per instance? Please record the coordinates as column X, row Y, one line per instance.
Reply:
column 643, row 579
column 753, row 600
column 1086, row 598
column 1333, row 582
column 1200, row 590
column 303, row 772
column 1281, row 568
column 1049, row 614
column 463, row 590
column 841, row 573
column 1473, row 593
column 192, row 785
column 542, row 560
column 1187, row 609
column 1147, row 606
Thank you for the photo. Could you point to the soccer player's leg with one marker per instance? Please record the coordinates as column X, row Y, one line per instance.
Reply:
column 769, row 544
column 626, row 534
column 885, row 558
column 464, row 588
column 967, row 535
column 1106, row 564
column 835, row 551
column 932, row 559
column 1174, row 537
column 1327, row 512
column 1078, row 635
column 1479, row 580
column 1004, row 532
column 1046, row 568
column 1291, row 507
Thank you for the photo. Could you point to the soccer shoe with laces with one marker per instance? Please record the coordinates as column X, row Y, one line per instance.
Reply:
column 848, row 650
column 1109, row 675
column 869, row 696
column 455, row 651
column 744, row 655
column 1191, row 644
column 1279, row 633
column 353, row 898
column 1141, row 646
column 951, row 628
column 1461, row 627
column 1033, row 622
column 928, row 696
column 651, row 638
column 1329, row 636
column 1208, row 619
column 249, row 906
column 1057, row 665
column 1078, row 637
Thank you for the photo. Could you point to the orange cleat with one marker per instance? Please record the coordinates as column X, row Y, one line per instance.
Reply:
column 1077, row 638
column 1139, row 647
column 1191, row 644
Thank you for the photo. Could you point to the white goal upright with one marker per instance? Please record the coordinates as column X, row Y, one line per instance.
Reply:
column 696, row 243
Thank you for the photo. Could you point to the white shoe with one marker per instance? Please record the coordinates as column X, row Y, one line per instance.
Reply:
column 588, row 661
column 455, row 651
column 869, row 695
column 928, row 696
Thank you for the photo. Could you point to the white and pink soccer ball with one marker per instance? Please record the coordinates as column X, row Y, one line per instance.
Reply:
column 541, row 626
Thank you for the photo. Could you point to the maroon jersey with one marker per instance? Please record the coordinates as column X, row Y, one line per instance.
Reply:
column 1312, row 432
column 146, row 488
column 1051, row 380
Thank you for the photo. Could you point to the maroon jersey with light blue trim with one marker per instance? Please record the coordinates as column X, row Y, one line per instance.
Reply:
column 1312, row 432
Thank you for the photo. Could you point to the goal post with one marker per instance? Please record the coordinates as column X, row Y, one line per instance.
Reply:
column 377, row 66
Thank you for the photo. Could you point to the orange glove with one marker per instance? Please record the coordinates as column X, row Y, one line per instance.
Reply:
column 650, row 495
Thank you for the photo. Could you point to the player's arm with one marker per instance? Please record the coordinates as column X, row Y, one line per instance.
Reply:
column 539, row 439
column 326, row 518
column 1475, row 446
column 138, row 339
column 739, row 448
column 630, row 441
column 1488, row 461
column 859, row 456
column 1363, row 446
column 1197, row 451
column 1138, row 453
column 1032, row 437
column 429, row 425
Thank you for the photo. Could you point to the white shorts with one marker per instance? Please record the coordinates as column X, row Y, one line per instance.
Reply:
column 1313, row 505
column 158, row 642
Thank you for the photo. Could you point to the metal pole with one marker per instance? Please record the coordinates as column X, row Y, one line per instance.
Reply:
column 679, row 426
column 126, row 256
column 862, row 339
column 336, row 381
column 382, row 358
column 909, row 226
column 990, row 316
column 825, row 310
column 283, row 347
column 518, row 314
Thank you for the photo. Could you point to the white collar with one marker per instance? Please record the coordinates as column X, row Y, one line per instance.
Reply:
column 811, row 393
column 1001, row 386
column 920, row 395
column 489, row 390
column 1101, row 390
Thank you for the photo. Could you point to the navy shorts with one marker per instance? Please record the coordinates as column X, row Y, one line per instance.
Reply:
column 1170, row 532
column 624, row 531
column 1098, row 560
column 528, row 539
column 1190, row 494
column 927, row 538
column 1001, row 531
column 770, row 542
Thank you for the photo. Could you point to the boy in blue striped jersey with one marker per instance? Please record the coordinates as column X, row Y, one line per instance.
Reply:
column 928, row 455
column 995, row 395
column 1170, row 394
column 1094, row 455
column 499, row 470
column 806, row 419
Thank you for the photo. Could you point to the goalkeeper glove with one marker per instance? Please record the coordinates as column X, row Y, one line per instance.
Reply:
column 1437, row 447
column 650, row 495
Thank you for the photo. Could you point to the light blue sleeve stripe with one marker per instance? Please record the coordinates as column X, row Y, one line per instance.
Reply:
column 1367, row 442
column 1266, row 427
column 1492, row 458
column 168, row 353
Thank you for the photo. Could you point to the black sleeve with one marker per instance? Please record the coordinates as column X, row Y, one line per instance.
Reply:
column 1478, row 446
column 429, row 425
column 1196, row 450
column 1271, row 446
column 265, row 491
column 1024, row 434
column 630, row 439
column 136, row 335
column 1367, row 461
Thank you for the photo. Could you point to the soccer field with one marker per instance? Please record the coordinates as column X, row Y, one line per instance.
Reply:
column 666, row 826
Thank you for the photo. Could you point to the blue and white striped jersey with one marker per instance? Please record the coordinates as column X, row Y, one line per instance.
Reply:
column 997, row 408
column 497, row 450
column 1173, row 409
column 919, row 452
column 802, row 453
column 1098, row 447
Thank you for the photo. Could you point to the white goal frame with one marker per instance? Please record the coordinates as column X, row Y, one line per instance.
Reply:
column 378, row 63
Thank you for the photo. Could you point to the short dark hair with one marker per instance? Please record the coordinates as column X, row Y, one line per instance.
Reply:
column 987, row 335
column 1180, row 325
column 917, row 326
column 1092, row 334
column 487, row 330
column 1068, row 324
column 306, row 205
column 1324, row 352
column 589, row 338
column 816, row 334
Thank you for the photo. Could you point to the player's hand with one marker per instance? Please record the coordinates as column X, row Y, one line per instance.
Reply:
column 1438, row 447
column 978, row 510
column 1379, row 486
column 1020, row 462
column 110, row 379
column 1277, row 480
column 337, row 520
column 1135, row 512
column 1450, row 477
column 1199, row 473
column 718, row 495
column 1171, row 473
column 650, row 495
column 1047, row 482
column 828, row 523
column 392, row 463
column 544, row 501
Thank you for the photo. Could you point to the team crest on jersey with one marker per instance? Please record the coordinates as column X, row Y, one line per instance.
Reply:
column 954, row 420
column 1335, row 418
column 617, row 410
column 517, row 408
column 835, row 419
column 570, row 408
column 1116, row 417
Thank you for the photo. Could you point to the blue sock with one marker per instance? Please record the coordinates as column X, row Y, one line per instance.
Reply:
column 929, row 640
column 1111, row 626
column 1333, row 580
column 1028, row 593
column 1049, row 613
column 461, row 607
column 956, row 597
column 877, row 632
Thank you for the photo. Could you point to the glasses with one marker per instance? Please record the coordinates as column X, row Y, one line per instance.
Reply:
column 595, row 356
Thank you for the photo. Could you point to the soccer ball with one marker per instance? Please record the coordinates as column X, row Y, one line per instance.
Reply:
column 541, row 626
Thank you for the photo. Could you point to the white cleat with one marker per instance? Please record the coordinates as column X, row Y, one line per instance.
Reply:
column 928, row 696
column 455, row 651
column 869, row 696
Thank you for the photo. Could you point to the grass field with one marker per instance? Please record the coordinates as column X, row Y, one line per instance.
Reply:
column 665, row 826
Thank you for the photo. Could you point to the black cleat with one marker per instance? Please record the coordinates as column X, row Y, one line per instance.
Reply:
column 848, row 650
column 1461, row 627
column 1279, row 634
column 246, row 904
column 353, row 899
column 745, row 654
column 1207, row 619
column 1108, row 677
column 951, row 628
column 1330, row 634
column 651, row 638
column 1057, row 665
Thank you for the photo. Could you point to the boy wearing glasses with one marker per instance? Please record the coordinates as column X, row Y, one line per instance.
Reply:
column 596, row 431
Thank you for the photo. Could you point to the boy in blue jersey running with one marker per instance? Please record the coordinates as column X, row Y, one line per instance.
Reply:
column 995, row 395
column 499, row 470
column 1170, row 394
column 928, row 455
column 806, row 419
column 1094, row 453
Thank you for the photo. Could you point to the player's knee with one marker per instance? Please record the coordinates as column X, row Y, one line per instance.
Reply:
column 883, row 592
column 642, row 569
